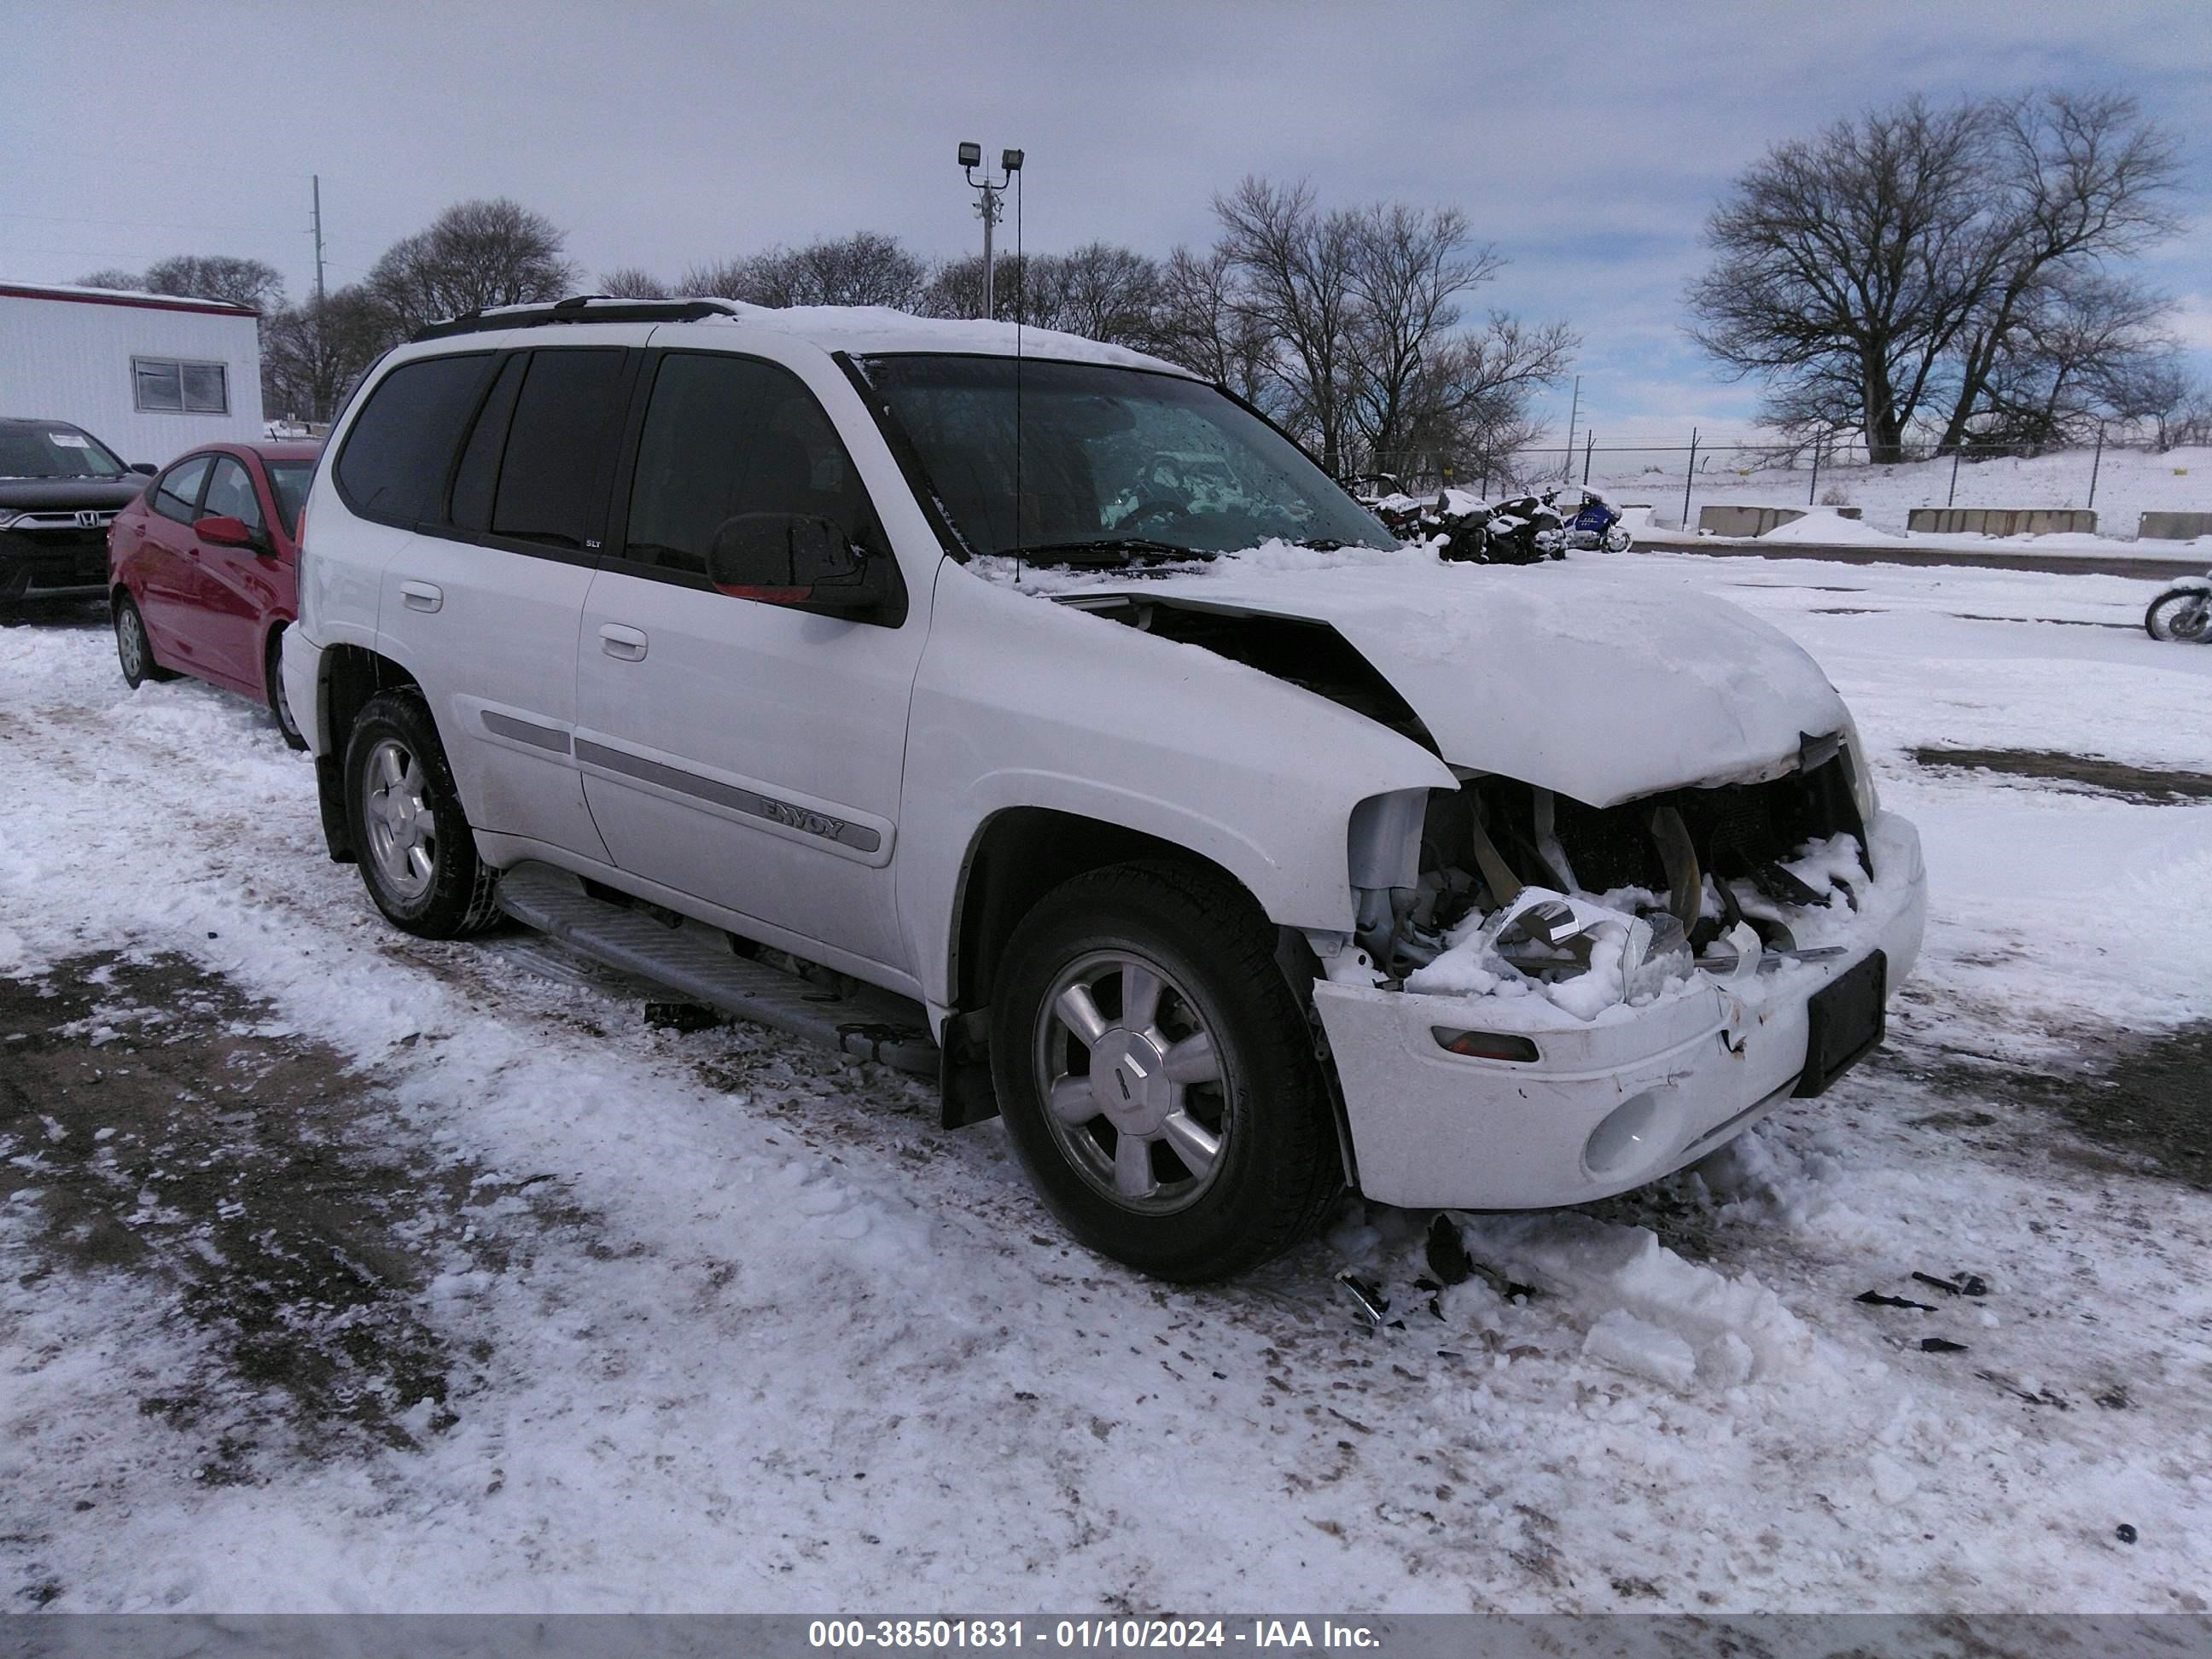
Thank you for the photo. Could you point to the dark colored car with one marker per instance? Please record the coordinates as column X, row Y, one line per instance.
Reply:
column 203, row 569
column 60, row 488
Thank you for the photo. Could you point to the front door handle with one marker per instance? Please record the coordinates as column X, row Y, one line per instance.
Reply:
column 421, row 596
column 627, row 643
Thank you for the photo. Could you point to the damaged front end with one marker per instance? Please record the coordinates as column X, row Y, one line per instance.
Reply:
column 1544, row 1001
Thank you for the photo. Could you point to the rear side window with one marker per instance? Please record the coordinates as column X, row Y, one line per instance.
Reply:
column 726, row 436
column 565, row 418
column 478, row 476
column 400, row 447
column 177, row 492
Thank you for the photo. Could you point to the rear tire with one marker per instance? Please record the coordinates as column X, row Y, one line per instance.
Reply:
column 1214, row 1149
column 273, row 670
column 133, row 649
column 418, row 858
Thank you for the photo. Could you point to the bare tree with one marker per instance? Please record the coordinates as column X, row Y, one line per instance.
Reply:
column 1472, row 404
column 1203, row 323
column 955, row 289
column 1101, row 291
column 474, row 255
column 2081, row 349
column 865, row 269
column 1409, row 269
column 217, row 276
column 1297, row 268
column 314, row 352
column 2176, row 407
column 112, row 279
column 1851, row 262
column 2077, row 179
column 1876, row 275
column 632, row 282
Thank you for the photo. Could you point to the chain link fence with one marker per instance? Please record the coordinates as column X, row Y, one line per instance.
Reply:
column 1676, row 477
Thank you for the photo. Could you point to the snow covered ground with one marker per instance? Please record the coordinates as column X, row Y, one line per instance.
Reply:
column 346, row 1272
column 2130, row 482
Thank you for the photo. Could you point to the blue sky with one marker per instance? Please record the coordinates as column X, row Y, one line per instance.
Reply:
column 1588, row 141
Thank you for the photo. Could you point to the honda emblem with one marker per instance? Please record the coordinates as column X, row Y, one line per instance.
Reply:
column 86, row 518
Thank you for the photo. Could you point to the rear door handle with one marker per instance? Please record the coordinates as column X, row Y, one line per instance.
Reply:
column 627, row 643
column 421, row 596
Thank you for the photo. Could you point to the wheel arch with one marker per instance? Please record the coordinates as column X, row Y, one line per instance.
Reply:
column 349, row 676
column 1016, row 856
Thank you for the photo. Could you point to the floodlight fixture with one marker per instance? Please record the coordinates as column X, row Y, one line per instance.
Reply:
column 989, row 206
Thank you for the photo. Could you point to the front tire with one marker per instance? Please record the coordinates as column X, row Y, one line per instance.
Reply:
column 2182, row 613
column 134, row 651
column 417, row 857
column 1158, row 1077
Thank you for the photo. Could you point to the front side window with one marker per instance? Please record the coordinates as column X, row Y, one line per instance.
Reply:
column 565, row 416
column 231, row 495
column 400, row 446
column 177, row 492
column 726, row 436
column 54, row 452
column 169, row 384
column 1112, row 464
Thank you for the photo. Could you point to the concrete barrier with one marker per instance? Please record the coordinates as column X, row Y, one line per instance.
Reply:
column 2002, row 521
column 2173, row 526
column 1720, row 520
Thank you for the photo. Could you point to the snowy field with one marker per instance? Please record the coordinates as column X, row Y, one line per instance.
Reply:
column 2130, row 482
column 339, row 1270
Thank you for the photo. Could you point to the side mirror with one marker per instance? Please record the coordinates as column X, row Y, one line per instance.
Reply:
column 224, row 531
column 144, row 469
column 805, row 563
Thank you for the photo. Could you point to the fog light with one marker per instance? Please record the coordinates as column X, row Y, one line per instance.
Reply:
column 1628, row 1140
column 1485, row 1045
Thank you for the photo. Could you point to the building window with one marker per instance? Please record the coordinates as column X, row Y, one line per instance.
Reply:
column 164, row 384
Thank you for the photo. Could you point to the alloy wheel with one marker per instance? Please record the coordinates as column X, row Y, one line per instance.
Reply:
column 1135, row 1091
column 402, row 830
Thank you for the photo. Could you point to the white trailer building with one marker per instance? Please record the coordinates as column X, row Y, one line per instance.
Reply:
column 149, row 375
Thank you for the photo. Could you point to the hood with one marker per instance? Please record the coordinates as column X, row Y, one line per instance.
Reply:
column 58, row 495
column 1560, row 675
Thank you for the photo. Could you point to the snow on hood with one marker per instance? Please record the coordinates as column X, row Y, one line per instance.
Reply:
column 1556, row 674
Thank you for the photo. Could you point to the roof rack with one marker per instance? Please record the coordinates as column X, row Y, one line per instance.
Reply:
column 577, row 308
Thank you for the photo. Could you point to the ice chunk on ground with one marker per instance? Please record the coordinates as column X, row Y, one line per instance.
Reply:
column 1641, row 1349
column 1603, row 1268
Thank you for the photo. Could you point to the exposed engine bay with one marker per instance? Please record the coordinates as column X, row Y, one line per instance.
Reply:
column 1521, row 889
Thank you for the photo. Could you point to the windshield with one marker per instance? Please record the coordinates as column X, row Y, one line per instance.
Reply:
column 1116, row 464
column 54, row 452
column 289, row 481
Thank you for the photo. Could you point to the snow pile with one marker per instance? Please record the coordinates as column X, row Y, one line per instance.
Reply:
column 1734, row 1329
column 1825, row 527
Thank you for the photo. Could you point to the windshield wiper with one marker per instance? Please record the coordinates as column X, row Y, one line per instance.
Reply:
column 1108, row 551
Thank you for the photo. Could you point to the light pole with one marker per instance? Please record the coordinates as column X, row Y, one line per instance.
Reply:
column 988, row 206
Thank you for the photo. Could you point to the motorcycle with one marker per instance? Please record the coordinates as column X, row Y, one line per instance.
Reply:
column 2183, row 611
column 1596, row 526
column 1524, row 530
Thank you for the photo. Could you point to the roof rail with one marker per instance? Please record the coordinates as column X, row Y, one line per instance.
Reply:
column 577, row 308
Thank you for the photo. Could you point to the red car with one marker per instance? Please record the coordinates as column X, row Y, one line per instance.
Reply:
column 202, row 570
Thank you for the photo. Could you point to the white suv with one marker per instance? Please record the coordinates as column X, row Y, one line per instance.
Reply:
column 1229, row 850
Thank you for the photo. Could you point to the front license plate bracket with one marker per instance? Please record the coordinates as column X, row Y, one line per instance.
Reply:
column 1844, row 1022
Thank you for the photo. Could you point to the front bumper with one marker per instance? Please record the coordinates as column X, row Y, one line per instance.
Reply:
column 36, row 562
column 1672, row 1082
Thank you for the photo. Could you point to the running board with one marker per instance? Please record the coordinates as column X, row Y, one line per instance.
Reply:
column 696, row 960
